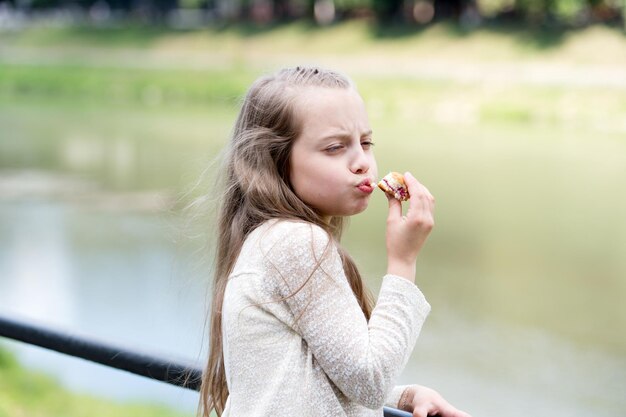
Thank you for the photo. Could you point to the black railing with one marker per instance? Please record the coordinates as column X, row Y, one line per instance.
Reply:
column 180, row 373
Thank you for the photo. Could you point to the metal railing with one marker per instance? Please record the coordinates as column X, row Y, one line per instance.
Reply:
column 180, row 372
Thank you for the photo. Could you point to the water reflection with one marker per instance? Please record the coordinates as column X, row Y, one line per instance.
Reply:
column 31, row 250
column 116, row 160
column 503, row 370
column 112, row 276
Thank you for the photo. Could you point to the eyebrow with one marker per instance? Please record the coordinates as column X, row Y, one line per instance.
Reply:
column 345, row 136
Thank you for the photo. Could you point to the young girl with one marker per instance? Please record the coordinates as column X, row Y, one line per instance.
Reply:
column 294, row 332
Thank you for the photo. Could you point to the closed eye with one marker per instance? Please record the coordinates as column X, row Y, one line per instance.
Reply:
column 334, row 148
column 367, row 144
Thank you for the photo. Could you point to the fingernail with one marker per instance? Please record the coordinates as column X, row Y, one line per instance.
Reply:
column 408, row 174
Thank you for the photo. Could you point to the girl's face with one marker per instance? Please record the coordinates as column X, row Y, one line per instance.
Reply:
column 332, row 162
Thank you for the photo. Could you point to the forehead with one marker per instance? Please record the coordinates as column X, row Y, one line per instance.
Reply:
column 323, row 111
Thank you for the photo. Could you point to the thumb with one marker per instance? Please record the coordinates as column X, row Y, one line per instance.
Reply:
column 395, row 209
column 421, row 411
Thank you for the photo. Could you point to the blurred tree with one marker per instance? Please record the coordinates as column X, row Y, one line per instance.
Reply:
column 449, row 9
column 573, row 13
column 43, row 4
column 610, row 11
column 537, row 11
column 388, row 10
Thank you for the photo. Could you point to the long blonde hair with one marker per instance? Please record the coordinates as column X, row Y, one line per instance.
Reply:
column 256, row 188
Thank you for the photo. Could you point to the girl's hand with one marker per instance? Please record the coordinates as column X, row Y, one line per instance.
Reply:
column 423, row 402
column 406, row 235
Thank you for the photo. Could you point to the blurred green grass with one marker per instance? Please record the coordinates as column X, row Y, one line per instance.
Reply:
column 596, row 44
column 28, row 393
column 399, row 98
column 119, row 85
column 437, row 73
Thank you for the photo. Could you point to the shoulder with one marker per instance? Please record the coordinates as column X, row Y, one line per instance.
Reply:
column 293, row 230
column 297, row 253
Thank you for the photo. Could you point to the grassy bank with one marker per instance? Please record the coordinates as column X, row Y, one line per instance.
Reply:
column 441, row 74
column 596, row 44
column 28, row 393
column 389, row 98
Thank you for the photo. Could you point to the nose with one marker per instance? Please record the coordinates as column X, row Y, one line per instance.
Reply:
column 360, row 163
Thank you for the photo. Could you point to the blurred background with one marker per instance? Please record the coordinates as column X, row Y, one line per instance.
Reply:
column 512, row 112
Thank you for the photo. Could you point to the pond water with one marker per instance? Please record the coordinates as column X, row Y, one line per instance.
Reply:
column 92, row 241
column 110, row 276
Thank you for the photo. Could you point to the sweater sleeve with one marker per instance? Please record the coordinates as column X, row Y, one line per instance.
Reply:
column 362, row 359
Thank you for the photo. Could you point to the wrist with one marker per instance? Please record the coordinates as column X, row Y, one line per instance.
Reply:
column 406, row 400
column 402, row 269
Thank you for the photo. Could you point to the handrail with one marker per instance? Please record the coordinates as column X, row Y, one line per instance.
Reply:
column 181, row 373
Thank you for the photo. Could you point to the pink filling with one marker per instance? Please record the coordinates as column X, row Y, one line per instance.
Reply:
column 400, row 192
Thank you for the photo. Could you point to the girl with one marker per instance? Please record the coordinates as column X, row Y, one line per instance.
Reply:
column 294, row 332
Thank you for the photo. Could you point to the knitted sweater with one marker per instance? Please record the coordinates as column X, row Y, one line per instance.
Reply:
column 296, row 342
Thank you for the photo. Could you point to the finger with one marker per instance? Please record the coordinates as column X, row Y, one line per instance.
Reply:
column 431, row 198
column 421, row 411
column 447, row 410
column 409, row 178
column 430, row 201
column 428, row 193
column 453, row 412
column 395, row 209
column 418, row 201
column 415, row 191
column 427, row 200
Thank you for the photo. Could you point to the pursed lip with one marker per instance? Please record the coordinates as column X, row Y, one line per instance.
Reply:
column 366, row 186
column 366, row 181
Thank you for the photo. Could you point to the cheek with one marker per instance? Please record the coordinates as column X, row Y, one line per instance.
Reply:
column 373, row 167
column 317, row 187
column 296, row 170
column 304, row 179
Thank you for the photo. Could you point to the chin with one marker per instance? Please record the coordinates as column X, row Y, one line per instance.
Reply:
column 346, row 211
column 359, row 209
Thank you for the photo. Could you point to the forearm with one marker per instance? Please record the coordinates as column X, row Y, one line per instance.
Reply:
column 404, row 269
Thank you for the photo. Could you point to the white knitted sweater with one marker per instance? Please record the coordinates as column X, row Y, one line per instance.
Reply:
column 311, row 353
